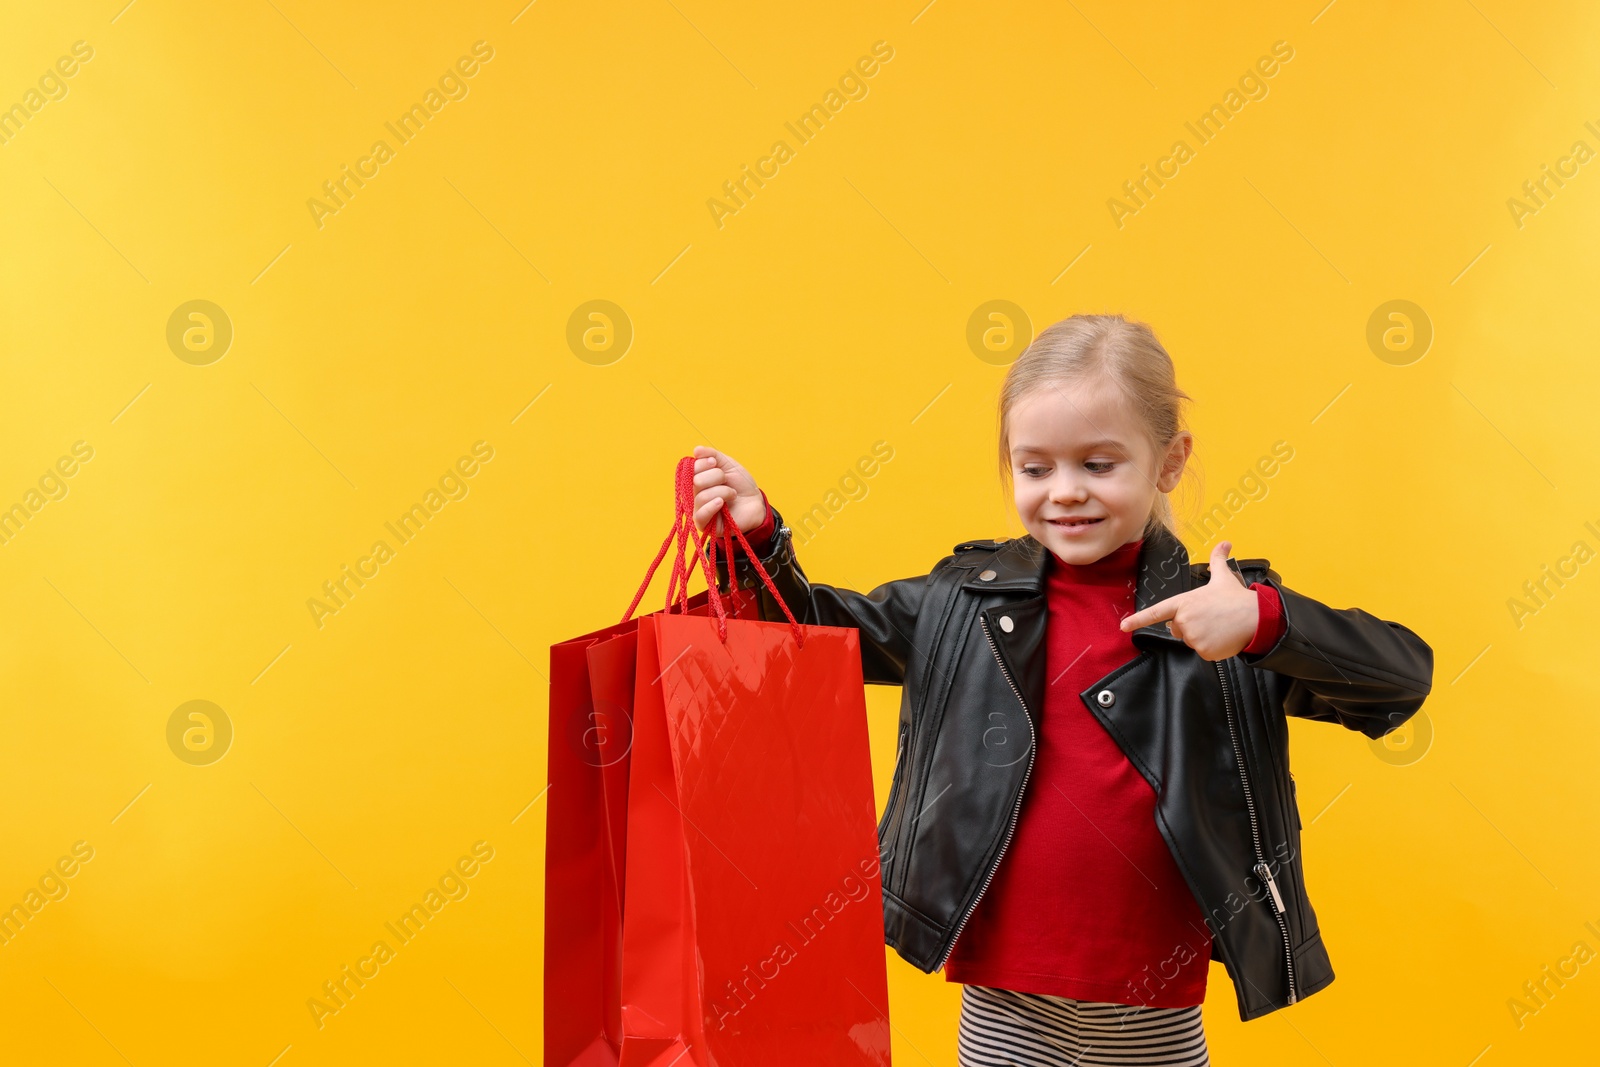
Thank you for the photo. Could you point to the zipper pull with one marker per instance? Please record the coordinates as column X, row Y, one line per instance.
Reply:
column 1264, row 873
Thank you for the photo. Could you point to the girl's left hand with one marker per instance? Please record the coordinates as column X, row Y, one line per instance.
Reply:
column 1217, row 620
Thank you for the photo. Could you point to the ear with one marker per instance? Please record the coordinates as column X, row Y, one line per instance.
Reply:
column 1174, row 460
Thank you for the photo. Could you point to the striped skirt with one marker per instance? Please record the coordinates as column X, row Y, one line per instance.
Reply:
column 1003, row 1028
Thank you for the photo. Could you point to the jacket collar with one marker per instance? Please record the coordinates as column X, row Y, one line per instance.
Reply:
column 1019, row 566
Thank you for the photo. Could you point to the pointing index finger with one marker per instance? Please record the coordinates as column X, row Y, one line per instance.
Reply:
column 1167, row 609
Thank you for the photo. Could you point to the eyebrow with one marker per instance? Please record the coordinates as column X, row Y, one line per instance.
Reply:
column 1091, row 446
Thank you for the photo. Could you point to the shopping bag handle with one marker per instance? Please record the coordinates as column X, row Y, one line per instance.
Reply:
column 689, row 538
column 682, row 529
column 749, row 554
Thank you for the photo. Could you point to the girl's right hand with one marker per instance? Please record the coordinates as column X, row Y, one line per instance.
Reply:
column 721, row 485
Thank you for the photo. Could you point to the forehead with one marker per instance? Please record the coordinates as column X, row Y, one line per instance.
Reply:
column 1073, row 415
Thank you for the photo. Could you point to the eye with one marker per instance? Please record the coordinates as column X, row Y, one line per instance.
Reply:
column 1104, row 464
column 1033, row 470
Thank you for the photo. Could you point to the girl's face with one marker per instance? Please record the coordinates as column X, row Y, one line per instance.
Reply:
column 1086, row 475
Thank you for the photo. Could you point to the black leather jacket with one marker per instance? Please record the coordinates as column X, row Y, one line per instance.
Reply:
column 967, row 644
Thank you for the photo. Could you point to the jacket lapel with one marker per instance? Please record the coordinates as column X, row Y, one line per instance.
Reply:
column 1017, row 623
column 1020, row 565
column 1163, row 573
column 1017, row 566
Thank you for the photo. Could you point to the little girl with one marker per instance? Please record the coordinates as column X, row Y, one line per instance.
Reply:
column 1092, row 796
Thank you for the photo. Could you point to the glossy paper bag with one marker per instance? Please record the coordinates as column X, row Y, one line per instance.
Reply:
column 586, row 827
column 589, row 741
column 753, row 918
column 712, row 893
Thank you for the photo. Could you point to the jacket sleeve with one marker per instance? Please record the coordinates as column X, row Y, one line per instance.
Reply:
column 1345, row 666
column 886, row 617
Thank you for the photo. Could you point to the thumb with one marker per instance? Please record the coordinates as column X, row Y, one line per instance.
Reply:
column 1220, row 571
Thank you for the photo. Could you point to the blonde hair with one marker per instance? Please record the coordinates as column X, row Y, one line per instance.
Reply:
column 1102, row 348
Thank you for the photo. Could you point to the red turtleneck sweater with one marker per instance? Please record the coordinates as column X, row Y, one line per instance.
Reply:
column 1087, row 901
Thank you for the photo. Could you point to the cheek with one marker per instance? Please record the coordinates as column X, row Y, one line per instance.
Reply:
column 1126, row 493
column 1029, row 496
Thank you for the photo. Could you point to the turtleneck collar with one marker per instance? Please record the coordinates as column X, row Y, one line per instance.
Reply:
column 1116, row 567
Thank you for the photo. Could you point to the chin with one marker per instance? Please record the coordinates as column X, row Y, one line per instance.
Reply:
column 1078, row 552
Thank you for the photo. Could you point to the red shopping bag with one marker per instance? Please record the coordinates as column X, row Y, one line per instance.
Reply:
column 590, row 741
column 712, row 891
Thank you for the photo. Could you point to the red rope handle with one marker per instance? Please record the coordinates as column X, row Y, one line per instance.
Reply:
column 766, row 579
column 649, row 574
column 683, row 501
column 727, row 550
column 688, row 540
column 727, row 553
column 711, row 586
column 675, row 531
column 695, row 541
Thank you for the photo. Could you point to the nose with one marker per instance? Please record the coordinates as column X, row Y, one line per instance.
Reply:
column 1068, row 488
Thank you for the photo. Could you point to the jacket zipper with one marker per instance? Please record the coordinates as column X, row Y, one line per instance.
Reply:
column 1011, row 826
column 901, row 758
column 1262, row 871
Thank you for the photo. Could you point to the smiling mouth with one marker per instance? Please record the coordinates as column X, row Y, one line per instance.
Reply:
column 1073, row 524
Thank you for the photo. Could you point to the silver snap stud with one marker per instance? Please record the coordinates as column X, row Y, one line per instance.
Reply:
column 1106, row 698
column 986, row 576
column 1006, row 623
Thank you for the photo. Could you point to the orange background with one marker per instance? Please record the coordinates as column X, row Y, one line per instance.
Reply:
column 370, row 348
